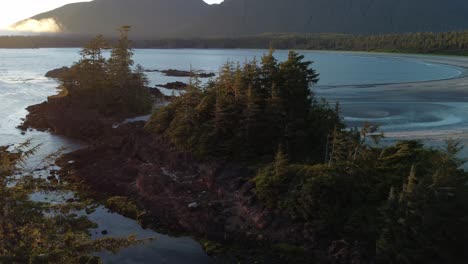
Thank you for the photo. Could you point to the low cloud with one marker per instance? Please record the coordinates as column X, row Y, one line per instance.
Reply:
column 46, row 25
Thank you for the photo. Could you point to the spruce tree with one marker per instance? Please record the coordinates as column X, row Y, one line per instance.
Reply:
column 92, row 73
column 296, row 78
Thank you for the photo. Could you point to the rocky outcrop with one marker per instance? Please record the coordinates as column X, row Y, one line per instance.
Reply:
column 174, row 86
column 179, row 73
column 58, row 73
column 60, row 116
column 210, row 199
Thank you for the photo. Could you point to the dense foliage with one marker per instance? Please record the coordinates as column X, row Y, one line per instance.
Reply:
column 41, row 232
column 249, row 111
column 402, row 203
column 108, row 85
column 454, row 42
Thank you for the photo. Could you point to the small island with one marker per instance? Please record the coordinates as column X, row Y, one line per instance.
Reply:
column 254, row 166
column 174, row 86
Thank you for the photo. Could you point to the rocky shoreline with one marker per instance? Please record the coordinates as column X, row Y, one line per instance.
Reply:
column 180, row 73
column 212, row 200
column 174, row 86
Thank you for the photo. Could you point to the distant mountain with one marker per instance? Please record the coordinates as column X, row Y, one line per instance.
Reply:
column 147, row 17
column 193, row 18
column 235, row 17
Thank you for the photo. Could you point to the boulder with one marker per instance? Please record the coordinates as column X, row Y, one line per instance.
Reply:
column 194, row 205
column 179, row 73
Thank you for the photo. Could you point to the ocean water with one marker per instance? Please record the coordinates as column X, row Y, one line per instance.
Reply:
column 335, row 68
column 356, row 80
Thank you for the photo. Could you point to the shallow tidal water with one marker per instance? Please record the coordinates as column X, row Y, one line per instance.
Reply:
column 387, row 89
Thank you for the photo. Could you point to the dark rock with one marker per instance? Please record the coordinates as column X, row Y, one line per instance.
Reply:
column 51, row 178
column 206, row 75
column 57, row 73
column 179, row 73
column 105, row 232
column 194, row 205
column 149, row 70
column 60, row 116
column 156, row 93
column 174, row 86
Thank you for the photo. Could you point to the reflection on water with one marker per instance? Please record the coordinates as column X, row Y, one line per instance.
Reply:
column 407, row 116
column 164, row 249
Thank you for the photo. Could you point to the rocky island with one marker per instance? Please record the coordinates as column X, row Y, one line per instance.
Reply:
column 253, row 165
column 174, row 86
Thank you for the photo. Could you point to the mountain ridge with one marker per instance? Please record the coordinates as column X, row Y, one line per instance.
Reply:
column 231, row 18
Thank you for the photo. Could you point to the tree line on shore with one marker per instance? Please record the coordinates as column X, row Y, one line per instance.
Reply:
column 453, row 42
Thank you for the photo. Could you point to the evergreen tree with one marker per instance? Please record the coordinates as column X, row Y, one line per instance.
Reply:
column 246, row 111
column 120, row 62
column 295, row 82
column 121, row 57
column 110, row 86
column 92, row 72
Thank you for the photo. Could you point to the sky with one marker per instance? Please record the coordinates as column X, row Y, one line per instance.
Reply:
column 12, row 11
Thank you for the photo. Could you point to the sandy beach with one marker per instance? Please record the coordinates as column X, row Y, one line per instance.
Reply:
column 429, row 110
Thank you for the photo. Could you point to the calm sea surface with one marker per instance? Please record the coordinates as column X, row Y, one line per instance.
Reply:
column 351, row 78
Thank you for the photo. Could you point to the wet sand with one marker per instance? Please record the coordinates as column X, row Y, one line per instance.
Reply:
column 429, row 110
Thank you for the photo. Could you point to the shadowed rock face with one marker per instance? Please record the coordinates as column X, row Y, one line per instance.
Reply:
column 182, row 18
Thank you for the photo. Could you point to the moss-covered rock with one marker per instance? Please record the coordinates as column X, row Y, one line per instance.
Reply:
column 123, row 205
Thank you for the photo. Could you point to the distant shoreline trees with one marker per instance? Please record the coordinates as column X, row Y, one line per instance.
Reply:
column 453, row 42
